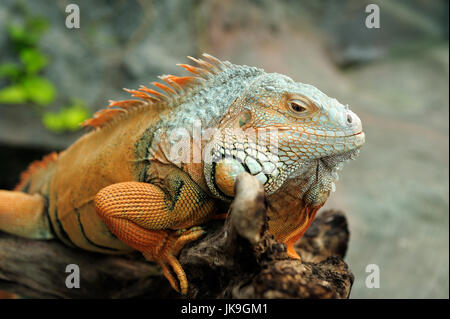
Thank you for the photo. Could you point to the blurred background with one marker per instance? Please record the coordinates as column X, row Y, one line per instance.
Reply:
column 396, row 194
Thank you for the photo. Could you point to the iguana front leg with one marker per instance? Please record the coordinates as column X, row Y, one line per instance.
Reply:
column 155, row 222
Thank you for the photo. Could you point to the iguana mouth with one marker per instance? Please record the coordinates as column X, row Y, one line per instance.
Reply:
column 359, row 133
column 231, row 158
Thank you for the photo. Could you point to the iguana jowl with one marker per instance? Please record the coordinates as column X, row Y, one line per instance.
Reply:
column 118, row 188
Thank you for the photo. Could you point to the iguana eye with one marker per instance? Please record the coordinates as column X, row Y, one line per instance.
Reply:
column 298, row 107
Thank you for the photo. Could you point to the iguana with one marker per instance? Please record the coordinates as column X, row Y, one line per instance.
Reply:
column 124, row 186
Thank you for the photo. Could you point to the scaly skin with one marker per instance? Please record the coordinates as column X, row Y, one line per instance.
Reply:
column 125, row 187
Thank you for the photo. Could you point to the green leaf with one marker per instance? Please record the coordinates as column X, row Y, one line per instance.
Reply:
column 74, row 115
column 10, row 70
column 38, row 25
column 67, row 119
column 16, row 32
column 20, row 36
column 33, row 60
column 39, row 90
column 13, row 94
column 53, row 122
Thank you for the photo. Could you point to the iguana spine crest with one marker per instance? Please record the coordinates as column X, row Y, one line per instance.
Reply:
column 177, row 86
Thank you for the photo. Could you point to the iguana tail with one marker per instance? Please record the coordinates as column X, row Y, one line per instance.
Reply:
column 23, row 210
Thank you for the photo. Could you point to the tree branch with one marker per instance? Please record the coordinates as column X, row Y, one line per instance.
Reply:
column 236, row 259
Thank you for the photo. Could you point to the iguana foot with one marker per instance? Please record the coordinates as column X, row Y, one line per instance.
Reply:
column 160, row 246
column 139, row 214
column 291, row 251
column 165, row 257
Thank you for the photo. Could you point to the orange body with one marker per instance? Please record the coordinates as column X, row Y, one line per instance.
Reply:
column 116, row 190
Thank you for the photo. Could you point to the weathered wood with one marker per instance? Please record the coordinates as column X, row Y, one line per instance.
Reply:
column 236, row 259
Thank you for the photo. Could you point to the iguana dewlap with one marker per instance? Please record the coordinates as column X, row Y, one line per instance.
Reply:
column 154, row 170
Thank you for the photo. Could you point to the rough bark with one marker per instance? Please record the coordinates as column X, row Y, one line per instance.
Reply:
column 236, row 259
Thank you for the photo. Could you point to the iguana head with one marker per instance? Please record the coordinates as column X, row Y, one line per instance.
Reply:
column 278, row 130
column 266, row 124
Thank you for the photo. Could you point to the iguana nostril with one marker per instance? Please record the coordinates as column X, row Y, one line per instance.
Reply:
column 349, row 119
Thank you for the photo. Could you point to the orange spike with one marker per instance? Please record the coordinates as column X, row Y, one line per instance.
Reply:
column 101, row 117
column 181, row 80
column 125, row 104
column 204, row 64
column 173, row 84
column 178, row 85
column 34, row 166
column 192, row 69
column 215, row 60
column 139, row 94
column 158, row 95
column 163, row 87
